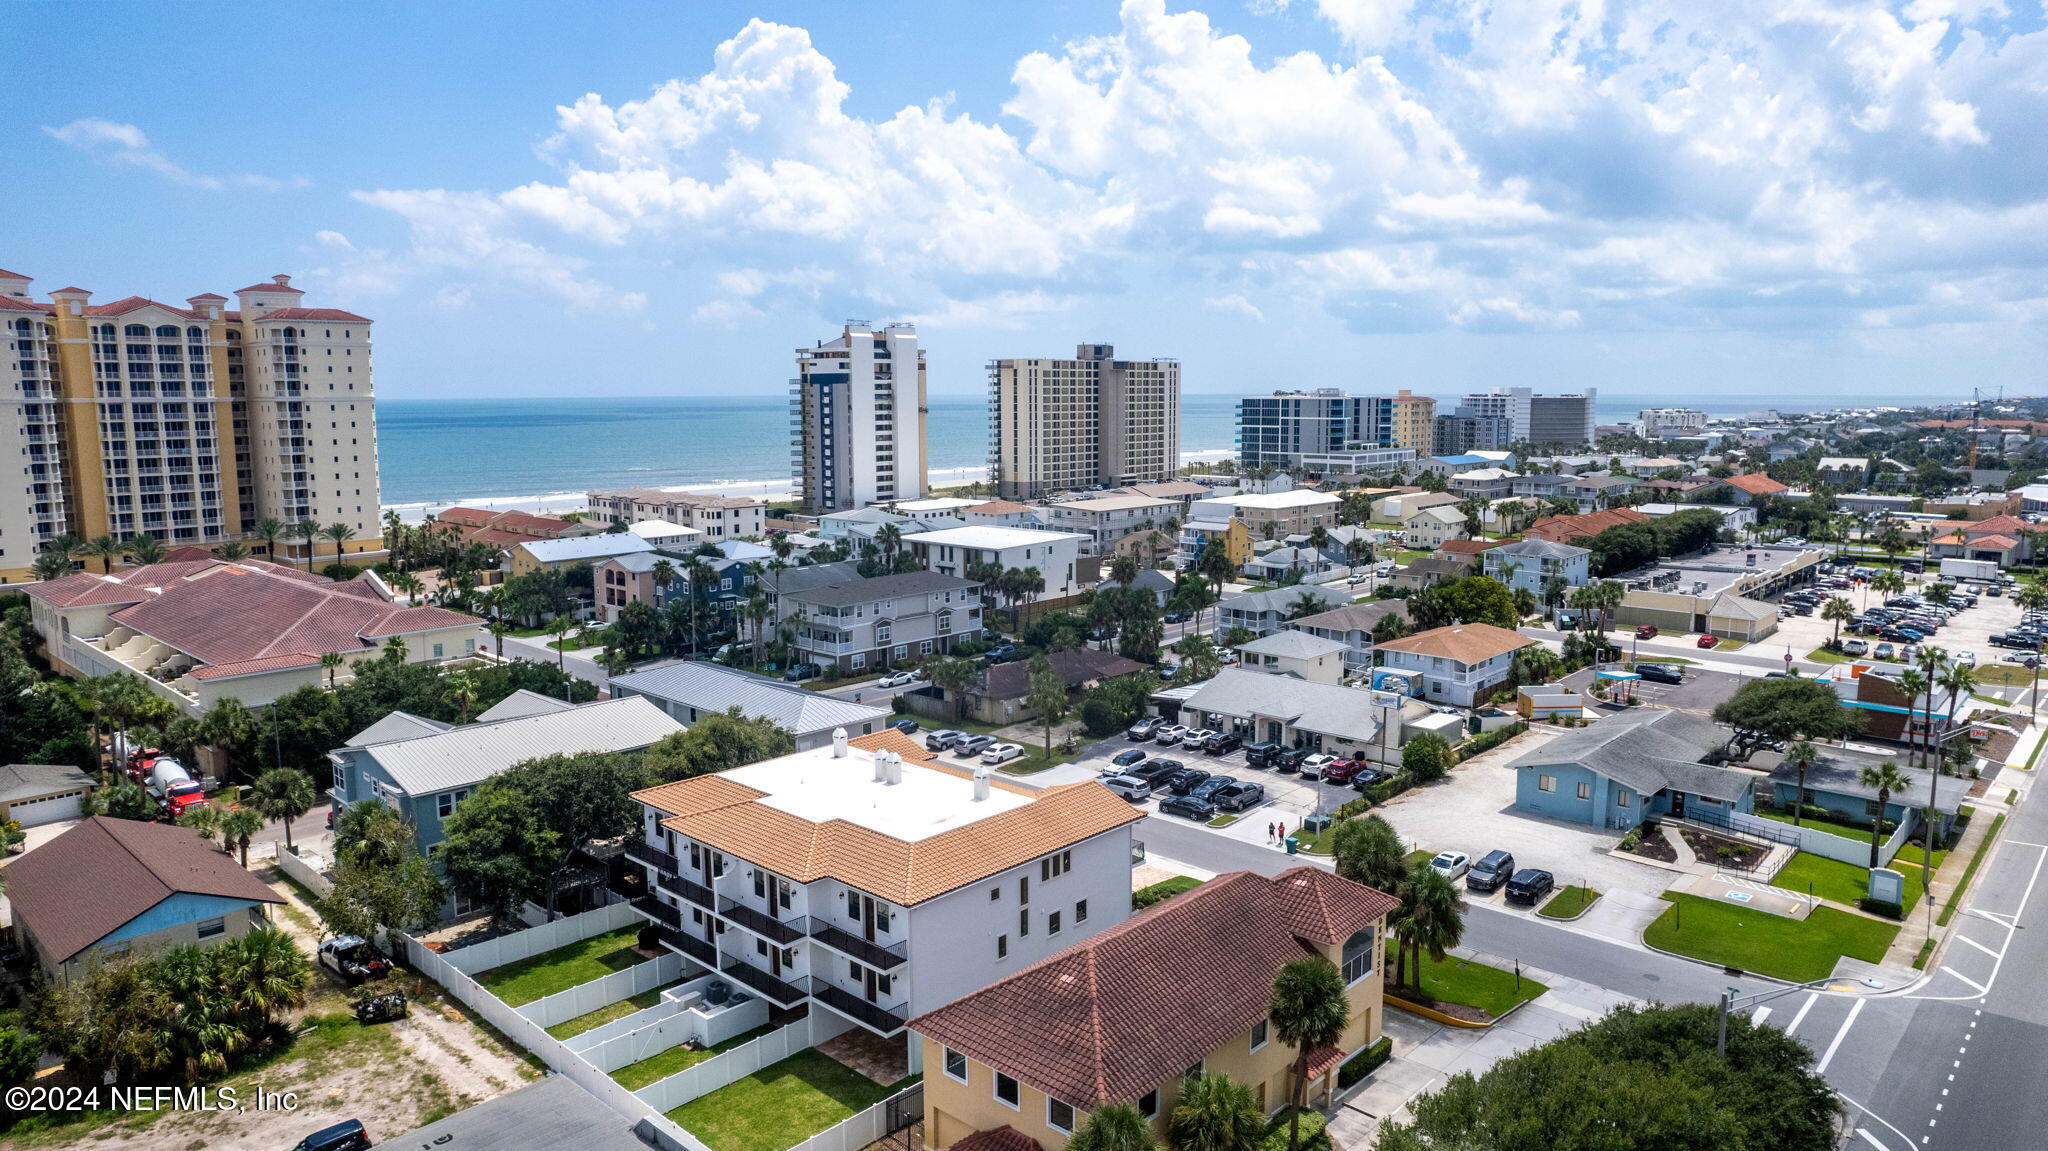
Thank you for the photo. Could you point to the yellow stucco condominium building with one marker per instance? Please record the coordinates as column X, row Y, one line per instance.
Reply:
column 189, row 424
column 1018, row 1064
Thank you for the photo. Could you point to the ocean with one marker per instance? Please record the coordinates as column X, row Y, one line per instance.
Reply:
column 437, row 452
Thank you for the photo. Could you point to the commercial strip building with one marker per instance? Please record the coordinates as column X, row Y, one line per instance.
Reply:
column 857, row 419
column 1093, row 421
column 188, row 424
column 1019, row 1064
column 876, row 884
column 199, row 631
column 718, row 517
column 1721, row 590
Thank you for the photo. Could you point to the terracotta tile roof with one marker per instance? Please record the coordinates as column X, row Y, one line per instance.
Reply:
column 998, row 508
column 77, row 888
column 209, row 296
column 17, row 304
column 1004, row 1138
column 334, row 314
column 510, row 526
column 1464, row 642
column 1108, row 1019
column 188, row 554
column 2005, row 524
column 1323, row 1059
column 14, row 275
column 1564, row 529
column 723, row 813
column 256, row 666
column 137, row 584
column 889, row 739
column 1468, row 547
column 270, row 287
column 1995, row 540
column 127, row 304
column 1757, row 484
column 474, row 517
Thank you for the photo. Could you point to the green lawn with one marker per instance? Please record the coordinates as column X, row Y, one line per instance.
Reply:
column 1419, row 855
column 542, row 975
column 1225, row 820
column 1841, row 882
column 634, row 1076
column 568, row 1028
column 1034, row 760
column 1848, row 830
column 1568, row 902
column 1798, row 951
column 1475, row 984
column 1163, row 890
column 780, row 1105
column 1823, row 655
column 2004, row 675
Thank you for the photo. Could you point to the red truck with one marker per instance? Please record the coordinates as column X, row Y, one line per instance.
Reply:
column 173, row 786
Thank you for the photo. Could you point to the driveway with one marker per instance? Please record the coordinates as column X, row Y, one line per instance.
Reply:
column 1289, row 798
column 1473, row 811
column 1701, row 692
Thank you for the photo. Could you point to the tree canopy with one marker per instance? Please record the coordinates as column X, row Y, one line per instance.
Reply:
column 1474, row 599
column 1789, row 707
column 715, row 743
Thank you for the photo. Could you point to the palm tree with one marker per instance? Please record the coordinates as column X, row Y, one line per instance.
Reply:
column 270, row 974
column 498, row 628
column 462, row 692
column 1886, row 778
column 1838, row 611
column 1113, row 1127
column 890, row 540
column 612, row 660
column 1305, row 604
column 232, row 550
column 146, row 549
column 1216, row 1113
column 338, row 533
column 1310, row 1011
column 1124, row 570
column 309, row 531
column 1912, row 682
column 106, row 549
column 282, row 793
column 756, row 611
column 269, row 530
column 560, row 627
column 1432, row 918
column 395, row 650
column 1800, row 756
column 332, row 662
column 238, row 826
column 954, row 675
column 50, row 564
column 664, row 574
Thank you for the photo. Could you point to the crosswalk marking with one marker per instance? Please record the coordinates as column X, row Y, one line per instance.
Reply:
column 1835, row 1044
column 1966, row 979
column 1800, row 1016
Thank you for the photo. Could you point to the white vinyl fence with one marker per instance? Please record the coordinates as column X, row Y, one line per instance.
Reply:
column 1827, row 844
column 585, row 998
column 682, row 1024
column 306, row 869
column 743, row 1061
column 548, row 936
column 857, row 1130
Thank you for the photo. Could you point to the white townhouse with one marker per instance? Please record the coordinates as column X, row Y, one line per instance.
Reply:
column 868, row 879
column 1458, row 664
column 952, row 551
column 1107, row 519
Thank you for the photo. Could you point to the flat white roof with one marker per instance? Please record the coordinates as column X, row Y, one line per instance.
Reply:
column 935, row 504
column 1118, row 503
column 1298, row 498
column 662, row 529
column 817, row 787
column 990, row 536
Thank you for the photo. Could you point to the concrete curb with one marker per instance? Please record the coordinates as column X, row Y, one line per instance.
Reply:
column 1583, row 911
column 1414, row 1008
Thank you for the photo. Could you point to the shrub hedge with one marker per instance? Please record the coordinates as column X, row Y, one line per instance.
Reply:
column 1366, row 1062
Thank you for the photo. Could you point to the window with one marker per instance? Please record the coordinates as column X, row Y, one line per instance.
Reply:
column 1358, row 956
column 1023, row 923
column 1052, row 923
column 1194, row 1072
column 1002, row 947
column 1149, row 1105
column 1259, row 1033
column 995, row 893
column 1006, row 1090
column 1546, row 783
column 1585, row 790
column 1059, row 1116
column 1870, row 807
column 1023, row 889
column 1081, row 912
column 1054, row 866
column 956, row 1065
column 208, row 928
column 1622, row 798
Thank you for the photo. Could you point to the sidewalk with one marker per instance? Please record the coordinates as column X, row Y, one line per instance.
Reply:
column 1914, row 932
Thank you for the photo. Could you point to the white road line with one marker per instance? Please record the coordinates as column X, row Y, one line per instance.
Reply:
column 1800, row 1016
column 1855, row 1009
column 1960, row 938
column 2011, row 925
column 1981, row 989
column 1759, row 1015
column 1871, row 1139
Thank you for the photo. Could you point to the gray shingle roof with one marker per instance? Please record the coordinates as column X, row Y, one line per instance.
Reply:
column 1280, row 599
column 1840, row 770
column 1346, row 712
column 846, row 593
column 1738, row 607
column 1539, row 549
column 1648, row 751
column 790, row 581
column 462, row 756
column 1295, row 644
column 1354, row 616
column 710, row 687
column 20, row 781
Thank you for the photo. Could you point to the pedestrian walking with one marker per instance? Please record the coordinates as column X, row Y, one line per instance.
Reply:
column 1269, row 831
column 1283, row 831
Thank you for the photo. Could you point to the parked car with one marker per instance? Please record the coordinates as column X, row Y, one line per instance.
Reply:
column 1365, row 775
column 1661, row 672
column 1177, row 617
column 346, row 1136
column 1647, row 631
column 897, row 679
column 1451, row 864
column 1208, row 788
column 1130, row 788
column 1964, row 658
column 1342, row 770
column 1124, row 760
column 906, row 726
column 1001, row 753
column 1197, row 736
column 353, row 958
column 1530, row 885
column 1289, row 761
column 1144, row 728
column 943, row 739
column 1240, row 796
column 1169, row 735
column 1221, row 742
column 1710, row 641
column 1157, row 772
column 1492, row 870
column 1186, row 780
column 1855, row 647
column 1188, row 806
column 798, row 672
column 973, row 745
column 1261, row 754
column 1885, row 651
column 1312, row 766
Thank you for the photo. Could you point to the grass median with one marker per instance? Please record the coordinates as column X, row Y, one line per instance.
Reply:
column 1569, row 903
column 1470, row 983
column 1797, row 951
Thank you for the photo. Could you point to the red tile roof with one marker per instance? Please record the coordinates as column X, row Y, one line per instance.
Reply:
column 1108, row 1019
column 270, row 287
column 256, row 666
column 334, row 314
column 1565, row 529
column 1004, row 1138
column 78, row 888
column 2005, row 524
column 1468, row 547
column 1757, row 484
column 1995, row 541
column 17, row 304
column 209, row 296
column 14, row 275
column 127, row 304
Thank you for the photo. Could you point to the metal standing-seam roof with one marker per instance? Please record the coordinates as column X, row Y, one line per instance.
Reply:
column 461, row 756
column 1344, row 712
column 1293, row 644
column 709, row 687
column 572, row 548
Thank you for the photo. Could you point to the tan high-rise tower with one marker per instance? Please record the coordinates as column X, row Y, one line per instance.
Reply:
column 189, row 424
column 1092, row 421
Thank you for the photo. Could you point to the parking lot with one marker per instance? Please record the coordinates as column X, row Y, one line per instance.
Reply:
column 1289, row 798
column 1970, row 630
column 1701, row 690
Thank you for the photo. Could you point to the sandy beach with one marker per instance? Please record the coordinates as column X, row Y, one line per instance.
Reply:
column 557, row 502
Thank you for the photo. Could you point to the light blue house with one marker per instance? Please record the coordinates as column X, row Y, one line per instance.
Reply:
column 1835, row 782
column 1632, row 767
column 1532, row 564
column 425, row 769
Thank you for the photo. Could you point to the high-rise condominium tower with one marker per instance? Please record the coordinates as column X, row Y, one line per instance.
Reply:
column 1565, row 421
column 857, row 415
column 1287, row 429
column 186, row 424
column 1092, row 421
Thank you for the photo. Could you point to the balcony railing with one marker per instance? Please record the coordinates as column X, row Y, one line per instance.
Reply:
column 703, row 951
column 885, row 1017
column 652, row 856
column 873, row 954
column 689, row 889
column 786, row 992
column 658, row 911
column 763, row 924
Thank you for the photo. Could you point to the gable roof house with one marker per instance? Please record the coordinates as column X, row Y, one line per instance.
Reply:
column 693, row 689
column 1352, row 625
column 1458, row 664
column 998, row 696
column 1019, row 1063
column 1631, row 767
column 111, row 886
column 1754, row 486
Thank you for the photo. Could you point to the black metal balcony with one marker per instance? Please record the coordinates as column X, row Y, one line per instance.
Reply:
column 652, row 856
column 785, row 992
column 703, row 951
column 658, row 911
column 689, row 889
column 886, row 1018
column 763, row 924
column 847, row 943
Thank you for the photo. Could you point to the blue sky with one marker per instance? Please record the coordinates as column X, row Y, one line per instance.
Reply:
column 1712, row 198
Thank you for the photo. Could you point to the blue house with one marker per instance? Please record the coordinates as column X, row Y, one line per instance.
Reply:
column 1835, row 782
column 1632, row 767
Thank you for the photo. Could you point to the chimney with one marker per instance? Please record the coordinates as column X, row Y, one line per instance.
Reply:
column 838, row 743
column 981, row 783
